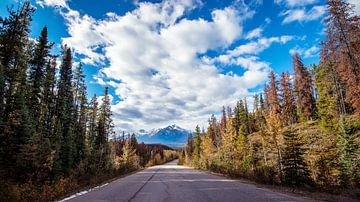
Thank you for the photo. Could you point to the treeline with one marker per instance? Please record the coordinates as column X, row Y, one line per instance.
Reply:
column 53, row 140
column 304, row 129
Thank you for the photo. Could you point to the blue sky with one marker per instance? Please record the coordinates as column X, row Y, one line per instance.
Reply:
column 179, row 61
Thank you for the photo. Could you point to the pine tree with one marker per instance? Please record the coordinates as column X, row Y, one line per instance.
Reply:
column 197, row 143
column 296, row 171
column 288, row 114
column 104, row 130
column 80, row 102
column 348, row 150
column 92, row 125
column 47, row 119
column 227, row 150
column 223, row 121
column 342, row 47
column 303, row 90
column 65, row 113
column 330, row 102
column 38, row 63
column 15, row 122
column 273, row 118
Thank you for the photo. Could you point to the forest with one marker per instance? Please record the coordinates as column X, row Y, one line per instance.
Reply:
column 303, row 129
column 53, row 140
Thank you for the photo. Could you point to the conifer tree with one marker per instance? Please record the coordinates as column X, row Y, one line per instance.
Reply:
column 65, row 113
column 296, row 171
column 223, row 121
column 197, row 143
column 348, row 150
column 37, row 71
column 80, row 102
column 47, row 119
column 288, row 103
column 15, row 123
column 342, row 46
column 303, row 90
column 273, row 118
column 104, row 130
column 92, row 125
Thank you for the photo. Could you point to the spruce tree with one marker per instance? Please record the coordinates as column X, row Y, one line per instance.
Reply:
column 273, row 118
column 16, row 128
column 341, row 46
column 65, row 113
column 303, row 90
column 80, row 117
column 92, row 123
column 104, row 130
column 47, row 119
column 38, row 64
column 288, row 113
column 348, row 150
column 197, row 143
column 295, row 169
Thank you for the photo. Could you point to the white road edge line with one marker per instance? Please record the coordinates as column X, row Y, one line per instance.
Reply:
column 82, row 192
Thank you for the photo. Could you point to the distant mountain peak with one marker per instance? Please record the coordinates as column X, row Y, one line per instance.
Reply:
column 172, row 135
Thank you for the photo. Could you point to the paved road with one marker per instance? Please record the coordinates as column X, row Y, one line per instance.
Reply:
column 171, row 182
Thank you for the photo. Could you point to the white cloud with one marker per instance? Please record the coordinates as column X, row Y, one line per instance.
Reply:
column 55, row 3
column 155, row 65
column 255, row 33
column 313, row 51
column 295, row 3
column 356, row 4
column 301, row 15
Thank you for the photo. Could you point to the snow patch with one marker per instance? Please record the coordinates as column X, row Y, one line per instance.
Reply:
column 82, row 192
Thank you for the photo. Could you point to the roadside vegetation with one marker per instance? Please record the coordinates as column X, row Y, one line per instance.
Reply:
column 303, row 130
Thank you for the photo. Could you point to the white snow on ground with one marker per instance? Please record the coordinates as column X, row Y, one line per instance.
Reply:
column 82, row 193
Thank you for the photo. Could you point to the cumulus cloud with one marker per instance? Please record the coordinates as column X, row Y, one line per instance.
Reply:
column 55, row 3
column 303, row 15
column 255, row 33
column 313, row 51
column 295, row 3
column 356, row 4
column 153, row 60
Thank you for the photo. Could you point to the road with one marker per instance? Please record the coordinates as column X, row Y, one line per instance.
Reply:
column 170, row 182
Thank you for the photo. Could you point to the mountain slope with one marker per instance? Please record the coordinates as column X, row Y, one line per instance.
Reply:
column 173, row 136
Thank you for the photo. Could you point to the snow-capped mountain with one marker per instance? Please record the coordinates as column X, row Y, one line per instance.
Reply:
column 173, row 136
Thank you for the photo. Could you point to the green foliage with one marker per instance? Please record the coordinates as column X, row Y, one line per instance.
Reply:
column 295, row 169
column 197, row 143
column 348, row 150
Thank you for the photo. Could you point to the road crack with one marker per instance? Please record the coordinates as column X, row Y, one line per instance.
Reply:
column 136, row 193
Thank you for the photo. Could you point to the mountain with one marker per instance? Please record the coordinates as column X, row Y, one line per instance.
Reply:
column 172, row 136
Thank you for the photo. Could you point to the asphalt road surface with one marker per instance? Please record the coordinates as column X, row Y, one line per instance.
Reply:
column 170, row 182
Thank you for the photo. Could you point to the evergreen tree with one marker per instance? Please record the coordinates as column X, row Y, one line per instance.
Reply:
column 348, row 150
column 92, row 125
column 330, row 102
column 49, row 101
column 342, row 47
column 104, row 130
column 80, row 102
column 273, row 118
column 223, row 121
column 15, row 122
column 296, row 171
column 288, row 103
column 303, row 90
column 65, row 113
column 197, row 143
column 37, row 69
